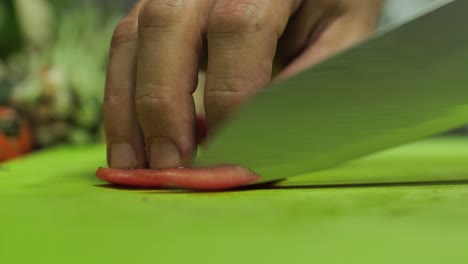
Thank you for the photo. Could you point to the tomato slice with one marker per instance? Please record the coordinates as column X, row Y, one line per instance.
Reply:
column 201, row 130
column 219, row 178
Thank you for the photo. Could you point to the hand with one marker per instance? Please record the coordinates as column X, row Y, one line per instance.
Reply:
column 159, row 47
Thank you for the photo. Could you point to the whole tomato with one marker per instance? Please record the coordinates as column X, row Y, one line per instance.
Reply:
column 15, row 135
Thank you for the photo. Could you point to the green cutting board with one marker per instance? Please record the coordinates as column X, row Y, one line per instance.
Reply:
column 53, row 210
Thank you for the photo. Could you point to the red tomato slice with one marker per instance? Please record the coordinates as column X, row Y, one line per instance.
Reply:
column 201, row 130
column 219, row 178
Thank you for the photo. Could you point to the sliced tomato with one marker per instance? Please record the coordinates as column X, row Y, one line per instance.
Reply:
column 219, row 178
column 201, row 130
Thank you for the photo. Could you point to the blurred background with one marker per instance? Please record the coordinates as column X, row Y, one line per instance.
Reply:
column 52, row 69
column 53, row 55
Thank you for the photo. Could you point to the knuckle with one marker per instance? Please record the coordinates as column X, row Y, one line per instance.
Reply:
column 114, row 106
column 226, row 99
column 237, row 16
column 114, row 101
column 157, row 13
column 151, row 103
column 124, row 32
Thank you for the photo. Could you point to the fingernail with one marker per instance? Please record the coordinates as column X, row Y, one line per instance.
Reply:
column 123, row 156
column 164, row 154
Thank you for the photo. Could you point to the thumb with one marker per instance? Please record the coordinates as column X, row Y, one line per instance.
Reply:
column 336, row 35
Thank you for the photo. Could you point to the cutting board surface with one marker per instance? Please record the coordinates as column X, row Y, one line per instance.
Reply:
column 53, row 210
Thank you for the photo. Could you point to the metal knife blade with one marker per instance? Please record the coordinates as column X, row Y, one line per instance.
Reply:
column 404, row 84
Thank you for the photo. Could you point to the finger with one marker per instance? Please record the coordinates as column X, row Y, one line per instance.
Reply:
column 218, row 178
column 242, row 38
column 302, row 29
column 338, row 31
column 125, row 145
column 169, row 41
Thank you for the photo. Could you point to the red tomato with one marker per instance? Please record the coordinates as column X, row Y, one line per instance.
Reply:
column 219, row 178
column 15, row 135
column 201, row 130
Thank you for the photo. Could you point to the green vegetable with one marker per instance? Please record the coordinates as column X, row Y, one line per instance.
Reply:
column 11, row 39
column 63, row 82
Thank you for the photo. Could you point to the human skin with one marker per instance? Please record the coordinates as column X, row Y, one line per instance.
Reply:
column 158, row 49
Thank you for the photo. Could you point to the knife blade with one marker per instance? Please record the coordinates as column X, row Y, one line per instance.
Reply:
column 403, row 84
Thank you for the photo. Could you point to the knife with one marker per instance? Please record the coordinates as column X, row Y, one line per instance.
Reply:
column 405, row 83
